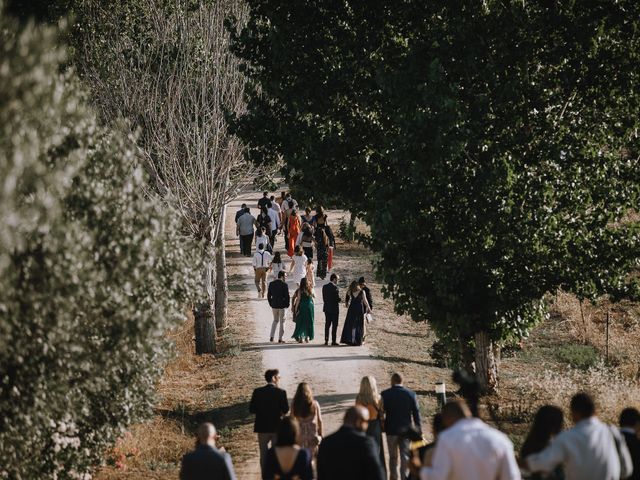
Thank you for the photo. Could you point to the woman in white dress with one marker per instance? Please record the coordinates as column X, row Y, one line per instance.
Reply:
column 262, row 238
column 298, row 265
column 276, row 265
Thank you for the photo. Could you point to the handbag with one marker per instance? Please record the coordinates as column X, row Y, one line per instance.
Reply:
column 368, row 317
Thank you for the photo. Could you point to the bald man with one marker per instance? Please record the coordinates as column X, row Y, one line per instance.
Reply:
column 469, row 449
column 349, row 454
column 206, row 461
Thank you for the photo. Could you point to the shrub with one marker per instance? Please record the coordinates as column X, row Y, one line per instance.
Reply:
column 578, row 356
column 92, row 272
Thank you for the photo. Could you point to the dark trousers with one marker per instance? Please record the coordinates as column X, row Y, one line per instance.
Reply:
column 330, row 321
column 245, row 244
column 308, row 251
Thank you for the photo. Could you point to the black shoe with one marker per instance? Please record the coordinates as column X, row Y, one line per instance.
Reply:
column 271, row 339
column 326, row 342
column 334, row 344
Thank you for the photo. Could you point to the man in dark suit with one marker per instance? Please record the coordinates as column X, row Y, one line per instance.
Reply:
column 367, row 292
column 331, row 308
column 269, row 404
column 400, row 406
column 349, row 454
column 206, row 461
column 630, row 427
column 278, row 297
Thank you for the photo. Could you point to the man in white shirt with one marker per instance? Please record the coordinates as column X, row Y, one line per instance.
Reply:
column 274, row 214
column 469, row 449
column 591, row 450
column 261, row 262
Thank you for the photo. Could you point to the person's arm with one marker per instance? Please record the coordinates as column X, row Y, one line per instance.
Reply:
column 365, row 302
column 319, row 419
column 415, row 412
column 332, row 239
column 373, row 467
column 286, row 289
column 252, row 403
column 185, row 474
column 230, row 474
column 284, row 403
column 547, row 459
column 292, row 264
column 442, row 464
column 270, row 291
column 509, row 469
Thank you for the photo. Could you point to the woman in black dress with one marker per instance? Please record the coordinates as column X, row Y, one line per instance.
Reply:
column 287, row 460
column 356, row 301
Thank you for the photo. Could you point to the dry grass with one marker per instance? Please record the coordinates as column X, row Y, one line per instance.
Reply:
column 194, row 388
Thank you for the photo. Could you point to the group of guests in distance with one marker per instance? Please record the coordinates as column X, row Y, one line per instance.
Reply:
column 291, row 441
column 359, row 303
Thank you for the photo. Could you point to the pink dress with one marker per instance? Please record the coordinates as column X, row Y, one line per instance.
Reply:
column 310, row 428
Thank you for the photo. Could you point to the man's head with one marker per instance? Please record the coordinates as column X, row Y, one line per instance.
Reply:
column 453, row 411
column 333, row 278
column 272, row 376
column 247, row 210
column 281, row 275
column 206, row 434
column 396, row 379
column 272, row 198
column 265, row 194
column 630, row 418
column 582, row 406
column 356, row 417
column 288, row 197
column 261, row 246
column 244, row 205
column 361, row 282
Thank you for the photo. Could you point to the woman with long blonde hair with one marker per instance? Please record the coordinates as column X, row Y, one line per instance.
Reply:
column 306, row 410
column 369, row 398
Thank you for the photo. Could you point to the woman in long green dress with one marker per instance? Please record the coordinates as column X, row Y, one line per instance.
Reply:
column 302, row 307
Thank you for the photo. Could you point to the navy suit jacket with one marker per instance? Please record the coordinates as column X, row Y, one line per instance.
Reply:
column 633, row 443
column 206, row 463
column 331, row 298
column 349, row 455
column 400, row 406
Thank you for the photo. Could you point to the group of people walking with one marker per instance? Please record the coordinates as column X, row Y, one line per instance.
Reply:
column 358, row 300
column 280, row 216
column 291, row 438
column 291, row 441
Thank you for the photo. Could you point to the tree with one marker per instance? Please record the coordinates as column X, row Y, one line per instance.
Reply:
column 167, row 67
column 92, row 272
column 498, row 141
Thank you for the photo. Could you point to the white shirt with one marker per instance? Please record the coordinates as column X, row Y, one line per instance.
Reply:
column 472, row 450
column 276, row 268
column 262, row 258
column 587, row 452
column 299, row 267
column 263, row 239
column 275, row 218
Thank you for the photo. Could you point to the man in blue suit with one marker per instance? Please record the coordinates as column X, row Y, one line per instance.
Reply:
column 401, row 407
column 206, row 461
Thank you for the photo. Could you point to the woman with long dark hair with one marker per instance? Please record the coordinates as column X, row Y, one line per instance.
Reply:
column 287, row 460
column 353, row 329
column 302, row 307
column 546, row 424
column 306, row 410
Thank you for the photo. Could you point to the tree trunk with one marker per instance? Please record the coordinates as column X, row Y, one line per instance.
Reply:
column 486, row 364
column 204, row 311
column 222, row 287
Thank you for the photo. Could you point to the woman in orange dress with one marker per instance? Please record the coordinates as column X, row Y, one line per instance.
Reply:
column 294, row 228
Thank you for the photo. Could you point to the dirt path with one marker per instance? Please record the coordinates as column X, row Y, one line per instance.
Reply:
column 334, row 373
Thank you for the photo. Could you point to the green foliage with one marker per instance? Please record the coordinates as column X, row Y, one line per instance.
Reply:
column 578, row 356
column 92, row 273
column 492, row 146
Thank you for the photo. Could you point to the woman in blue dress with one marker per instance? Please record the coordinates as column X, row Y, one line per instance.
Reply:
column 356, row 301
